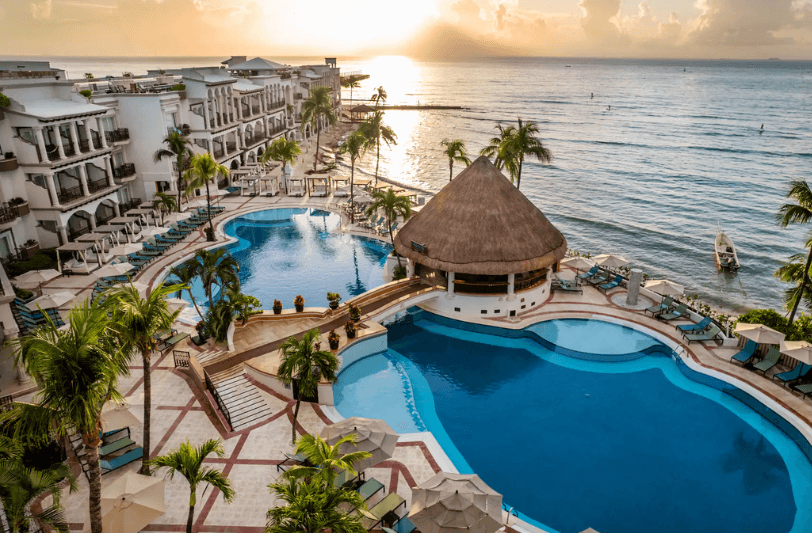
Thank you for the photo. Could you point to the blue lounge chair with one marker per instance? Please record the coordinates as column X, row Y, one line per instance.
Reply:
column 566, row 286
column 292, row 460
column 114, row 463
column 680, row 310
column 709, row 335
column 694, row 328
column 612, row 284
column 590, row 274
column 388, row 505
column 804, row 389
column 746, row 354
column 800, row 371
column 769, row 361
column 661, row 307
column 404, row 525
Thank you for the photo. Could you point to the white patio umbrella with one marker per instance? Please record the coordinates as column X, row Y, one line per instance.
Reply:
column 119, row 269
column 345, row 191
column 194, row 204
column 664, row 287
column 37, row 277
column 177, row 217
column 362, row 198
column 127, row 248
column 800, row 350
column 151, row 232
column 759, row 333
column 122, row 415
column 578, row 263
column 131, row 502
column 219, row 192
column 456, row 503
column 371, row 435
column 611, row 261
column 51, row 301
column 176, row 303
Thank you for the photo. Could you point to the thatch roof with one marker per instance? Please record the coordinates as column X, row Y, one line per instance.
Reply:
column 363, row 108
column 481, row 224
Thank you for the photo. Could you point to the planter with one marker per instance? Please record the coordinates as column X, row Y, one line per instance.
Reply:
column 277, row 310
column 333, row 305
column 355, row 318
column 351, row 335
column 334, row 345
column 299, row 308
column 31, row 250
column 23, row 209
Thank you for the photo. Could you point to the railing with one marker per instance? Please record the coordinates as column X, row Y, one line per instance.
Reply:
column 129, row 204
column 218, row 153
column 530, row 282
column 6, row 403
column 274, row 131
column 220, row 403
column 84, row 145
column 297, row 96
column 123, row 171
column 69, row 150
column 68, row 195
column 276, row 105
column 181, row 359
column 227, row 117
column 29, row 74
column 8, row 213
column 185, row 130
column 97, row 144
column 255, row 109
column 231, row 147
column 74, row 233
column 95, row 186
column 211, row 122
column 480, row 287
column 119, row 135
column 187, row 164
column 254, row 139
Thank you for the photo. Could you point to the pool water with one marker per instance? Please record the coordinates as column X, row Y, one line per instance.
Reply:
column 618, row 443
column 290, row 251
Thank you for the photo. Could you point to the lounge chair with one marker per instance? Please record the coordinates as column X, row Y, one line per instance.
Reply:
column 599, row 279
column 769, row 361
column 404, row 525
column 373, row 517
column 680, row 310
column 586, row 275
column 800, row 371
column 563, row 285
column 709, row 335
column 114, row 463
column 369, row 488
column 694, row 328
column 172, row 341
column 746, row 354
column 343, row 479
column 612, row 284
column 115, row 446
column 292, row 460
column 804, row 389
column 661, row 307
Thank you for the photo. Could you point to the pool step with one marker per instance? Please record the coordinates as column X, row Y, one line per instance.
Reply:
column 244, row 401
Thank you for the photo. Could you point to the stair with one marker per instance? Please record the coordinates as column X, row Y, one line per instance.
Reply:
column 243, row 400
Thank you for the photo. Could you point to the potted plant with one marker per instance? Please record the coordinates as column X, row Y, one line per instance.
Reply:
column 334, row 339
column 277, row 307
column 349, row 329
column 333, row 298
column 31, row 248
column 298, row 302
column 8, row 155
column 355, row 313
column 87, row 93
column 21, row 205
column 4, row 102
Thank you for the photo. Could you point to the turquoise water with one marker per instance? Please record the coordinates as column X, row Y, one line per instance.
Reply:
column 628, row 442
column 286, row 252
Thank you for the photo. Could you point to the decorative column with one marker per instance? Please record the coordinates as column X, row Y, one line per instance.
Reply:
column 101, row 132
column 117, row 209
column 92, row 221
column 410, row 268
column 88, row 135
column 511, row 286
column 238, row 108
column 109, row 168
column 206, row 114
column 63, row 232
column 450, row 285
column 83, row 179
column 59, row 147
column 75, row 132
column 635, row 277
column 41, row 143
column 49, row 179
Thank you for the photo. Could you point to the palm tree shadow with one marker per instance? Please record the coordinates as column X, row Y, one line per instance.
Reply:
column 759, row 464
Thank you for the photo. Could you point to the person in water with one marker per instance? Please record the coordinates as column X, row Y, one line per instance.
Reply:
column 591, row 96
column 609, row 108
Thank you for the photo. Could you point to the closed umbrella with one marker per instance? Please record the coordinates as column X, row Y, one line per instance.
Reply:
column 371, row 435
column 664, row 287
column 122, row 415
column 176, row 303
column 177, row 217
column 131, row 502
column 456, row 503
column 578, row 263
column 51, row 301
column 759, row 333
column 119, row 269
column 154, row 231
column 800, row 350
column 611, row 261
column 127, row 248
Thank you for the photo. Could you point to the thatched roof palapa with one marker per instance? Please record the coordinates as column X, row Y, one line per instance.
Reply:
column 480, row 223
column 363, row 108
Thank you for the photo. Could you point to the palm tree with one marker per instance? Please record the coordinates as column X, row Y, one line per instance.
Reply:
column 140, row 321
column 392, row 206
column 77, row 370
column 21, row 486
column 304, row 364
column 282, row 150
column 523, row 142
column 164, row 203
column 379, row 96
column 185, row 273
column 355, row 146
column 350, row 82
column 799, row 213
column 315, row 109
column 375, row 131
column 215, row 267
column 327, row 460
column 793, row 272
column 203, row 169
column 313, row 507
column 188, row 462
column 454, row 151
column 177, row 146
column 496, row 143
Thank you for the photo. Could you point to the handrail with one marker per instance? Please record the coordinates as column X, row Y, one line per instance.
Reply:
column 220, row 403
column 181, row 358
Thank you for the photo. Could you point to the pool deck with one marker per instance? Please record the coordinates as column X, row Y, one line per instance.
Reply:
column 181, row 411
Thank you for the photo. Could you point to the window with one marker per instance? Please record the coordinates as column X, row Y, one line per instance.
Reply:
column 39, row 179
column 5, row 245
column 457, row 309
column 118, row 159
column 484, row 311
column 108, row 124
column 162, row 186
column 27, row 134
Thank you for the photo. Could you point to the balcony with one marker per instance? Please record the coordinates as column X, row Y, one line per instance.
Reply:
column 186, row 165
column 97, row 144
column 84, row 145
column 255, row 109
column 253, row 140
column 276, row 105
column 124, row 171
column 131, row 204
column 68, row 195
column 231, row 147
column 276, row 131
column 8, row 164
column 218, row 153
column 8, row 213
column 68, row 148
column 184, row 130
column 118, row 135
column 297, row 96
column 96, row 186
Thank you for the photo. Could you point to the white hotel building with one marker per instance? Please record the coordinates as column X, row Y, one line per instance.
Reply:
column 69, row 162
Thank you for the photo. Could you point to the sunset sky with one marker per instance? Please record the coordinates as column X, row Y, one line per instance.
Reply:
column 431, row 28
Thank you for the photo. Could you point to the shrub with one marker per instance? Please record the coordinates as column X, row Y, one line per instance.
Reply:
column 349, row 328
column 23, row 294
column 299, row 300
column 43, row 259
column 87, row 93
column 399, row 272
column 333, row 297
column 178, row 87
column 277, row 304
column 354, row 312
column 333, row 337
column 4, row 101
column 16, row 201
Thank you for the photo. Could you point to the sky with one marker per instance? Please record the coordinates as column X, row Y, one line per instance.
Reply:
column 436, row 29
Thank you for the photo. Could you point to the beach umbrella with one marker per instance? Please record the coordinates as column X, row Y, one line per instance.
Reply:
column 219, row 192
column 759, row 333
column 37, row 277
column 154, row 231
column 196, row 203
column 127, row 248
column 800, row 350
column 371, row 435
column 177, row 217
column 119, row 269
column 611, row 261
column 362, row 198
column 664, row 287
column 578, row 263
column 122, row 415
column 345, row 191
column 456, row 503
column 51, row 301
column 176, row 303
column 131, row 502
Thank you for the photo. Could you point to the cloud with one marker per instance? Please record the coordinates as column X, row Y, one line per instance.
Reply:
column 41, row 10
column 466, row 11
column 646, row 28
column 598, row 18
column 747, row 22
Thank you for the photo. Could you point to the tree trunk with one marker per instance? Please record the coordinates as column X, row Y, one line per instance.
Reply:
column 180, row 178
column 392, row 240
column 296, row 416
column 208, row 206
column 194, row 302
column 804, row 281
column 519, row 175
column 318, row 139
column 190, row 521
column 94, row 480
column 352, row 190
column 450, row 170
column 378, row 161
column 147, row 403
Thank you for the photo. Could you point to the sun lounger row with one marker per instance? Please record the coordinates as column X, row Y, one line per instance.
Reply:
column 117, row 450
column 800, row 373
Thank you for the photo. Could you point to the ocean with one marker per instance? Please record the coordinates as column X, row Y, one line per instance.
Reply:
column 680, row 151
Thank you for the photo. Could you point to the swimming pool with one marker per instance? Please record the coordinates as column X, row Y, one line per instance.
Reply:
column 289, row 251
column 580, row 423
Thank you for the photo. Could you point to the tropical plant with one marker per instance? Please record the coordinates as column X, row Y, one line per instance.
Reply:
column 798, row 213
column 375, row 132
column 277, row 305
column 317, row 108
column 87, row 93
column 215, row 267
column 454, row 151
column 139, row 321
column 299, row 300
column 77, row 370
column 188, row 462
column 164, row 202
column 203, row 168
column 333, row 297
column 379, row 96
column 4, row 100
column 178, row 87
column 177, row 146
column 523, row 142
column 349, row 328
column 243, row 305
column 327, row 460
column 355, row 146
column 303, row 363
column 88, row 75
column 21, row 486
column 494, row 148
column 312, row 506
column 186, row 273
column 282, row 150
column 393, row 206
column 354, row 311
column 350, row 82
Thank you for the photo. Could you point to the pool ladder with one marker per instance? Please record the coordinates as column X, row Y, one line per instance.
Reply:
column 510, row 511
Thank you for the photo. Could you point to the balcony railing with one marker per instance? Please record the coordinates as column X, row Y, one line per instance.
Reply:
column 231, row 147
column 70, row 194
column 276, row 105
column 185, row 130
column 130, row 204
column 84, row 145
column 255, row 109
column 95, row 186
column 276, row 131
column 297, row 96
column 218, row 152
column 253, row 139
column 97, row 144
column 123, row 171
column 8, row 213
column 187, row 164
column 119, row 135
column 69, row 150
